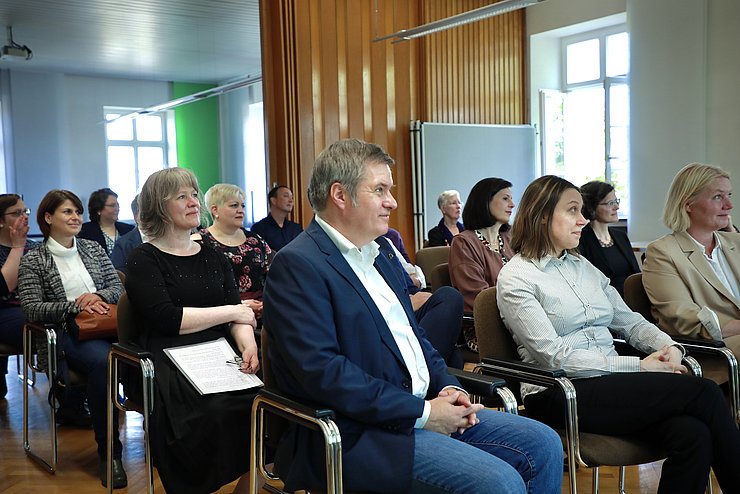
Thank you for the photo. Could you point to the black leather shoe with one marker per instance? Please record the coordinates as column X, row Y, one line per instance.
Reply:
column 119, row 474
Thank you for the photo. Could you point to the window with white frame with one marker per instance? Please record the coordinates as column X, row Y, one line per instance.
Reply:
column 136, row 147
column 586, row 125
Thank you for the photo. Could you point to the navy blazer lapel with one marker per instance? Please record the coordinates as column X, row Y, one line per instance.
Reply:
column 337, row 261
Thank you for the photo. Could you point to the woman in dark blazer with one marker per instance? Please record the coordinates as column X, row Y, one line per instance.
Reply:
column 104, row 227
column 609, row 250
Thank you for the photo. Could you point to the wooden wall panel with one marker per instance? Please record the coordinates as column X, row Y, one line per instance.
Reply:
column 473, row 73
column 324, row 79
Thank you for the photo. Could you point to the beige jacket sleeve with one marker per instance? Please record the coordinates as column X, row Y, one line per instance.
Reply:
column 680, row 282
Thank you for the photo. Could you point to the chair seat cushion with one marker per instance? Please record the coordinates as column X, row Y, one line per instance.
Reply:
column 599, row 449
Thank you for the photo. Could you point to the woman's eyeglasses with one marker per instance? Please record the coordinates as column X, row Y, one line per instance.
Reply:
column 18, row 213
column 611, row 204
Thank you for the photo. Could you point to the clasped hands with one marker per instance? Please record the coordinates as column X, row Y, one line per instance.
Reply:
column 92, row 302
column 667, row 359
column 451, row 412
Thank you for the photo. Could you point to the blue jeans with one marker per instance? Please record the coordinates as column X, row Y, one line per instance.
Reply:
column 91, row 358
column 504, row 453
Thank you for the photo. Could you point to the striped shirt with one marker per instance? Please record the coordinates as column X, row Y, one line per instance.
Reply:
column 562, row 312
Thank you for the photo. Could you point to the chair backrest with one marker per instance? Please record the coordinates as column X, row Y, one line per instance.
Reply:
column 430, row 257
column 265, row 363
column 494, row 339
column 636, row 298
column 128, row 330
column 440, row 276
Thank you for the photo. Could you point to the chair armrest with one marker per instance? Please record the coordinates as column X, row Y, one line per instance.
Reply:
column 41, row 327
column 305, row 409
column 526, row 367
column 132, row 350
column 698, row 343
column 478, row 384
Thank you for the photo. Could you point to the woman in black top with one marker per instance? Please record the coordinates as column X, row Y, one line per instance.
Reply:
column 607, row 249
column 184, row 293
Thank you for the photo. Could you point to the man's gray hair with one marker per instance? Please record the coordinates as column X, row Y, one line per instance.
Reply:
column 343, row 162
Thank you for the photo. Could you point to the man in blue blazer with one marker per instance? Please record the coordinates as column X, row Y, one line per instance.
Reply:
column 344, row 336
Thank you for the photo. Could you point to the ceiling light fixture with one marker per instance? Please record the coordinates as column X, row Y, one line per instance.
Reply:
column 13, row 51
column 481, row 13
column 216, row 91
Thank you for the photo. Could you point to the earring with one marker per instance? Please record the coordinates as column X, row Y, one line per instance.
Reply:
column 216, row 216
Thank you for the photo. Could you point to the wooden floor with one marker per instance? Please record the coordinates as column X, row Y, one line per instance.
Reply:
column 78, row 465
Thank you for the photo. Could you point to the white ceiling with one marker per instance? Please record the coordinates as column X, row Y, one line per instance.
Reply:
column 204, row 41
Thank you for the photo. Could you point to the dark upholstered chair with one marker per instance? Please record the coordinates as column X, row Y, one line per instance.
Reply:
column 138, row 383
column 718, row 363
column 499, row 357
column 430, row 257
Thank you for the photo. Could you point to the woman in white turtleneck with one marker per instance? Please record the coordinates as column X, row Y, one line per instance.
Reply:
column 478, row 254
column 61, row 277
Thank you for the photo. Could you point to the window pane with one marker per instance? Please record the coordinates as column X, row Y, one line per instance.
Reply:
column 617, row 55
column 151, row 159
column 552, row 107
column 619, row 105
column 583, row 61
column 584, row 135
column 149, row 128
column 122, row 177
column 119, row 130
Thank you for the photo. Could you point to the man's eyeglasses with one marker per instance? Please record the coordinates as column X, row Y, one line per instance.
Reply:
column 611, row 204
column 18, row 213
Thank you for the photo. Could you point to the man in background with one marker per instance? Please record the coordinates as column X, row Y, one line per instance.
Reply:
column 276, row 228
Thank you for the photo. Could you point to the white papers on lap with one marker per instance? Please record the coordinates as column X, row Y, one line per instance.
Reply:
column 204, row 365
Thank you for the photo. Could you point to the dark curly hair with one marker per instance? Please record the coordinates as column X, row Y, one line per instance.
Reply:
column 593, row 193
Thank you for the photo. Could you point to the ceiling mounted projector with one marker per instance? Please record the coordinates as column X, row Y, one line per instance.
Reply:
column 13, row 51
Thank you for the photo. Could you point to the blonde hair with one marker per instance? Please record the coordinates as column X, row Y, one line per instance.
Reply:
column 220, row 194
column 687, row 184
column 159, row 188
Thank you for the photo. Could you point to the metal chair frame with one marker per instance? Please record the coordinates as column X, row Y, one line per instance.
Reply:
column 121, row 353
column 533, row 374
column 321, row 420
column 49, row 332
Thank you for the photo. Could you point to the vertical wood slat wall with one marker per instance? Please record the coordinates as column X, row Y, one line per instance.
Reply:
column 324, row 79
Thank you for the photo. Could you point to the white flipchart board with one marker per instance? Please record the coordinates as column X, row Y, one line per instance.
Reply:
column 456, row 156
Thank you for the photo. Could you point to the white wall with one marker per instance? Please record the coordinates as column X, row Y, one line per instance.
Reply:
column 58, row 137
column 668, row 102
column 723, row 87
column 556, row 14
column 685, row 87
